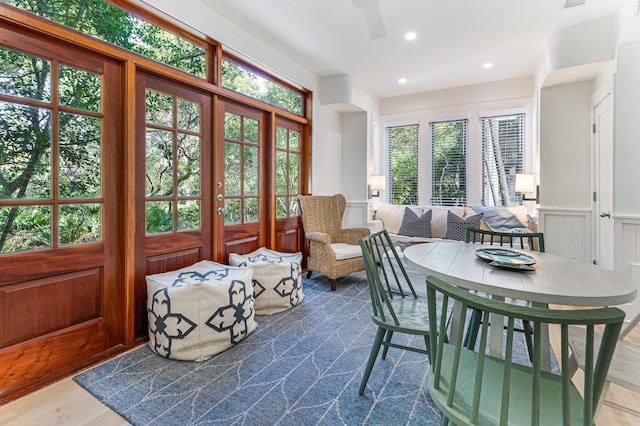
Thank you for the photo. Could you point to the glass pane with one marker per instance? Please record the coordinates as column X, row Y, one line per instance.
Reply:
column 232, row 126
column 80, row 89
column 80, row 157
column 245, row 81
column 232, row 168
column 251, row 177
column 188, row 214
column 107, row 22
column 25, row 152
column 281, row 138
column 293, row 207
column 159, row 108
column 232, row 211
column 250, row 210
column 25, row 228
column 24, row 76
column 159, row 216
column 281, row 172
column 188, row 115
column 80, row 223
column 282, row 206
column 294, row 173
column 294, row 140
column 251, row 130
column 188, row 165
column 159, row 155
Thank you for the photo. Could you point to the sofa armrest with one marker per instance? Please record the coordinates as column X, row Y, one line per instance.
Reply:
column 375, row 225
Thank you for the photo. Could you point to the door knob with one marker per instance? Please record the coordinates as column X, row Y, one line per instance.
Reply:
column 220, row 210
column 605, row 214
column 220, row 197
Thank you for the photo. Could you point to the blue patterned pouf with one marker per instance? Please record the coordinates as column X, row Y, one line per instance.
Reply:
column 199, row 311
column 277, row 279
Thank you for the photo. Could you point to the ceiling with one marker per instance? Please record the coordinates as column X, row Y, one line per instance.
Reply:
column 454, row 37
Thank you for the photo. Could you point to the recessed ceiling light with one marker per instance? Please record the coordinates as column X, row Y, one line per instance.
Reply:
column 410, row 36
column 402, row 80
column 487, row 65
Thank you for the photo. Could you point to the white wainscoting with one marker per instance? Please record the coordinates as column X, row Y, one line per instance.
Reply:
column 567, row 232
column 627, row 259
column 356, row 214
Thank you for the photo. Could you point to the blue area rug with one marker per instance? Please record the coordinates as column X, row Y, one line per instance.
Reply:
column 300, row 367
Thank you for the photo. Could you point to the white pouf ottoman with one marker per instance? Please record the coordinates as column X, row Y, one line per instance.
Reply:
column 199, row 311
column 277, row 279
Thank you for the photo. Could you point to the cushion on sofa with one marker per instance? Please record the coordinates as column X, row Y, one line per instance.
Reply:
column 391, row 215
column 439, row 219
column 500, row 219
column 414, row 226
column 456, row 226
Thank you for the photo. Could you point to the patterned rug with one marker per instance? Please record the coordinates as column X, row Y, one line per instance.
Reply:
column 300, row 367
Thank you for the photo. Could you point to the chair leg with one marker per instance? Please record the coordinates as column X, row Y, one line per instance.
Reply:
column 387, row 340
column 528, row 333
column 332, row 281
column 309, row 272
column 472, row 330
column 377, row 342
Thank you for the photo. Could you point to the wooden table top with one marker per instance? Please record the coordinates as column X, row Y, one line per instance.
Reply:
column 554, row 280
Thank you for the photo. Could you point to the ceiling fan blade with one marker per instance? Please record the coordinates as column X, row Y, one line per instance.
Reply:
column 373, row 16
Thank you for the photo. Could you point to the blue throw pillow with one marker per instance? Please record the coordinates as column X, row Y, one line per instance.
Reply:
column 500, row 219
column 414, row 226
column 457, row 226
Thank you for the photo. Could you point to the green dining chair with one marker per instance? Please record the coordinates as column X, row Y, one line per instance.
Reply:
column 395, row 304
column 472, row 387
column 522, row 240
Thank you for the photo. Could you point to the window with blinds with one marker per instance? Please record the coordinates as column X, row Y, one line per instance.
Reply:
column 449, row 163
column 502, row 158
column 402, row 184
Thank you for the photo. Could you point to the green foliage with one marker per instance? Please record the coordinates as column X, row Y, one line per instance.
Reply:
column 247, row 82
column 102, row 20
column 159, row 217
column 404, row 165
column 449, row 169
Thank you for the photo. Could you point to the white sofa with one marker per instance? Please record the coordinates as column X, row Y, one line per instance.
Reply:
column 390, row 216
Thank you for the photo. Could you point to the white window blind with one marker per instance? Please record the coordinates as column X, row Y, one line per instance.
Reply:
column 402, row 183
column 449, row 163
column 502, row 158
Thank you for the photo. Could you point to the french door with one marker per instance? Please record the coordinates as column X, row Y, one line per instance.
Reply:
column 60, row 209
column 241, row 180
column 261, row 168
column 173, row 181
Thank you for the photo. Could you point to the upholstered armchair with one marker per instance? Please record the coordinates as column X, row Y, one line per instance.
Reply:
column 333, row 250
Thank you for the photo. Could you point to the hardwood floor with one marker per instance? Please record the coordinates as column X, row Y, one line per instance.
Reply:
column 66, row 403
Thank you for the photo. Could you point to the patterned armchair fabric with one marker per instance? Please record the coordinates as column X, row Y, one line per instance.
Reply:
column 333, row 250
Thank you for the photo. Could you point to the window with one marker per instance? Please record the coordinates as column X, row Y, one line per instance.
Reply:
column 102, row 20
column 502, row 158
column 173, row 140
column 50, row 153
column 449, row 163
column 402, row 142
column 243, row 80
column 288, row 153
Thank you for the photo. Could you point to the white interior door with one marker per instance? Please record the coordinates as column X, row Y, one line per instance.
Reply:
column 603, row 182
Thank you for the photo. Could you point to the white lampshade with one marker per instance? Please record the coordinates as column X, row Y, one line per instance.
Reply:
column 377, row 182
column 525, row 183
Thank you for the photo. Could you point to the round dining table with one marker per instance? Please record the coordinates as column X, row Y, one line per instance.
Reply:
column 553, row 279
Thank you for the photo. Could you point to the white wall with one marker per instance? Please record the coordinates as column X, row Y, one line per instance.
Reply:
column 565, row 146
column 627, row 131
